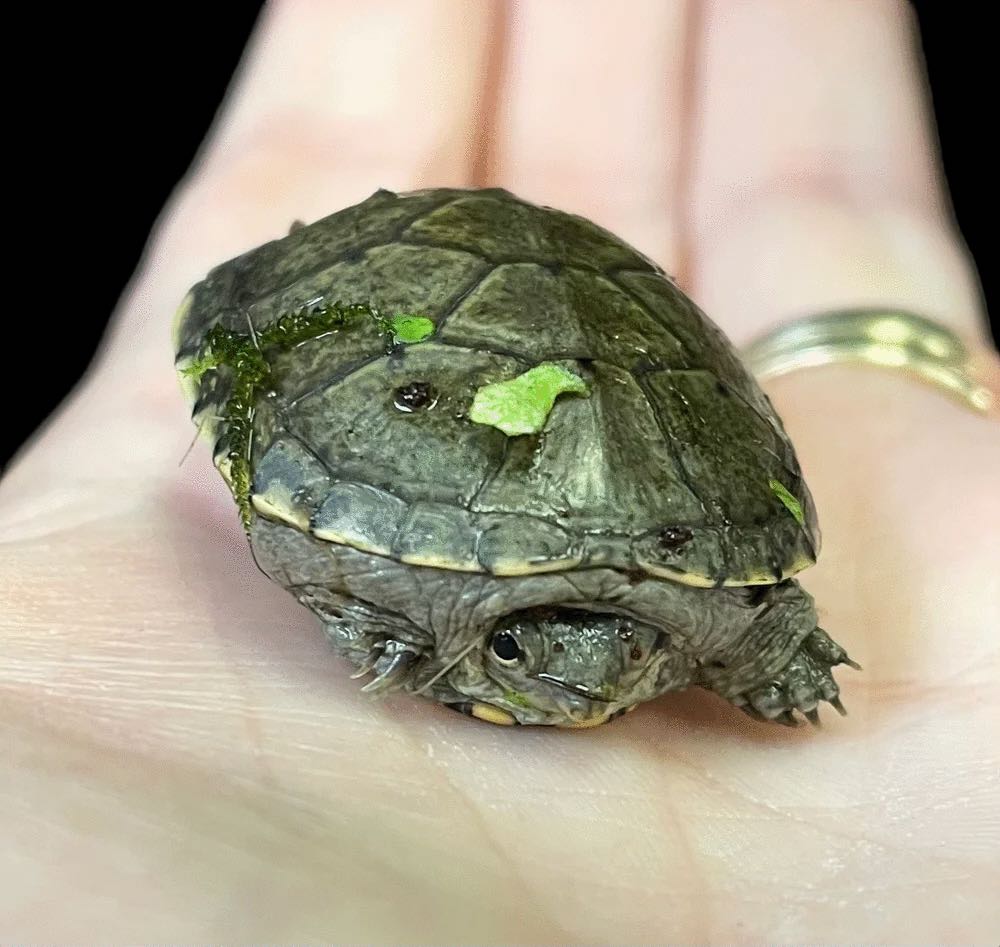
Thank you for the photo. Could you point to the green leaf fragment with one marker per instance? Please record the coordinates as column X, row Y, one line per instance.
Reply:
column 793, row 505
column 410, row 329
column 522, row 405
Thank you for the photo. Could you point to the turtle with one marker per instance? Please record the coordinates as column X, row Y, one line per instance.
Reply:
column 508, row 463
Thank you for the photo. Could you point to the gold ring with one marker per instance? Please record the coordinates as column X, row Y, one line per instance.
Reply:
column 887, row 338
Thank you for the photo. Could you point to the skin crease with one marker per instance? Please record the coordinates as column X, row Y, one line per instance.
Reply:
column 184, row 759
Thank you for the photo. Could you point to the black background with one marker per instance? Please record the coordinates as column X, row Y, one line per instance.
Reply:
column 93, row 104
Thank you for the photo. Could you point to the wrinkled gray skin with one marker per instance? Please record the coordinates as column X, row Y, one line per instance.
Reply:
column 634, row 546
column 758, row 647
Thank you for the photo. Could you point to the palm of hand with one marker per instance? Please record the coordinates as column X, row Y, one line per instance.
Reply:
column 182, row 742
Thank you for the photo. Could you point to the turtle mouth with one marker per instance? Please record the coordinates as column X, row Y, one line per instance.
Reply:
column 580, row 690
column 597, row 720
column 585, row 706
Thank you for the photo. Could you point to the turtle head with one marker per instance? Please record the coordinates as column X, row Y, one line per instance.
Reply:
column 566, row 667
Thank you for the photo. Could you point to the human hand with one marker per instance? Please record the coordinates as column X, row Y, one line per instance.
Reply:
column 187, row 761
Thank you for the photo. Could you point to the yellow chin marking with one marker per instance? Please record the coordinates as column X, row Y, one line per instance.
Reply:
column 493, row 715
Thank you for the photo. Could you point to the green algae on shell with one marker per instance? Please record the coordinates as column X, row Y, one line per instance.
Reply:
column 243, row 354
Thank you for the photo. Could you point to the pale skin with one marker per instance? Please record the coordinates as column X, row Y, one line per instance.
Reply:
column 183, row 757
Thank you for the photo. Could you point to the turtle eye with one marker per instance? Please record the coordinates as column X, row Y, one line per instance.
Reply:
column 505, row 647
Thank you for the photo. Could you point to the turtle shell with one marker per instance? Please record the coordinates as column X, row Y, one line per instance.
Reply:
column 675, row 464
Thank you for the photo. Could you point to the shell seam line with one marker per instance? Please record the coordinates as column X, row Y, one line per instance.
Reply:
column 769, row 424
column 642, row 304
column 498, row 261
column 395, row 235
column 336, row 379
column 462, row 296
column 672, row 447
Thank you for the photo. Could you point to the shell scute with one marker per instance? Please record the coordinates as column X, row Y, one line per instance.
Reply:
column 359, row 515
column 289, row 482
column 674, row 432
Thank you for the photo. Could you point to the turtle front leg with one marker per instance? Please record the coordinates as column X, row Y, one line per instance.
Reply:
column 781, row 664
column 373, row 649
column 804, row 682
column 375, row 643
column 392, row 662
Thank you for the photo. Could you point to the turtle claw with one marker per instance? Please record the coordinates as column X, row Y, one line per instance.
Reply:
column 804, row 682
column 391, row 667
column 824, row 649
column 369, row 662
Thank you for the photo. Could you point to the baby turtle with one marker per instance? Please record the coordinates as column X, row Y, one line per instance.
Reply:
column 508, row 463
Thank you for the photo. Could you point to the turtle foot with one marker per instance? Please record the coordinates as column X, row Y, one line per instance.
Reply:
column 801, row 686
column 391, row 662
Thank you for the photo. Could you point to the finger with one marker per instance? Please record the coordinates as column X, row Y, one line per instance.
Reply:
column 591, row 114
column 333, row 101
column 337, row 99
column 815, row 185
column 815, row 177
